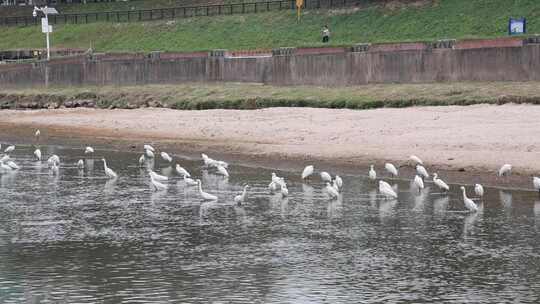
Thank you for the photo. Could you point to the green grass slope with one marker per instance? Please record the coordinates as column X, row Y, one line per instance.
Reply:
column 432, row 20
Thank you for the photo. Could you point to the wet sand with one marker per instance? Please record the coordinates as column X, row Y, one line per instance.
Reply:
column 465, row 144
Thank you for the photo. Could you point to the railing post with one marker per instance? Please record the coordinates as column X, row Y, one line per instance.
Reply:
column 255, row 7
column 86, row 18
column 76, row 19
column 267, row 6
column 161, row 13
column 184, row 12
column 117, row 17
column 151, row 14
column 243, row 8
column 173, row 15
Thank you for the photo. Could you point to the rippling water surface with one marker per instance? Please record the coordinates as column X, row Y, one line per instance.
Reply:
column 80, row 238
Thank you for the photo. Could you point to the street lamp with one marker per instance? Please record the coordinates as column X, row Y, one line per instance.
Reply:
column 45, row 27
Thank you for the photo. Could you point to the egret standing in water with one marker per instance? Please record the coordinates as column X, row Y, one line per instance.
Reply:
column 80, row 164
column 37, row 154
column 387, row 190
column 536, row 184
column 331, row 191
column 108, row 171
column 505, row 170
column 469, row 204
column 326, row 177
column 204, row 195
column 420, row 170
column 157, row 186
column 88, row 150
column 440, row 183
column 181, row 171
column 419, row 183
column 239, row 199
column 9, row 149
column 308, row 170
column 166, row 157
column 391, row 168
column 372, row 174
column 479, row 190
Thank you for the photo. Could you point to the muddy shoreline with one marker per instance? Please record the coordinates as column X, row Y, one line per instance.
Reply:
column 260, row 152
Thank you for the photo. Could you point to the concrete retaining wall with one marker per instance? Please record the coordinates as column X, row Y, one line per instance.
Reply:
column 482, row 60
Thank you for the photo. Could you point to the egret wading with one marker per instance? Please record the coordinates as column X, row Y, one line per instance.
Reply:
column 308, row 170
column 469, row 204
column 391, row 169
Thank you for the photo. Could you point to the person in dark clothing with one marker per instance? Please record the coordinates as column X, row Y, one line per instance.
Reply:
column 325, row 34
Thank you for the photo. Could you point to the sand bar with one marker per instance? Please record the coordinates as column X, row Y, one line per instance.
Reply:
column 466, row 143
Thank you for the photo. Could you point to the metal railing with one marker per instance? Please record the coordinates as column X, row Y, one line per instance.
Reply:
column 179, row 12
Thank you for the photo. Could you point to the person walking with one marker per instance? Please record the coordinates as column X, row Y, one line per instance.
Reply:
column 325, row 34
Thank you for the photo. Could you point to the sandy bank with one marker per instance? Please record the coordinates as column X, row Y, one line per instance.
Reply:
column 461, row 142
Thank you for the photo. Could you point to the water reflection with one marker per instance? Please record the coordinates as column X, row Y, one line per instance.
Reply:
column 79, row 237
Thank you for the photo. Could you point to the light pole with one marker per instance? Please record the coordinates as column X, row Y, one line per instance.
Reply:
column 45, row 27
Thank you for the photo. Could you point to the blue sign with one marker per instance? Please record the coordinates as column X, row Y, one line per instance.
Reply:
column 517, row 26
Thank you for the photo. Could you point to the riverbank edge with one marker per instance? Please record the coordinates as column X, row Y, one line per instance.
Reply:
column 31, row 101
column 240, row 154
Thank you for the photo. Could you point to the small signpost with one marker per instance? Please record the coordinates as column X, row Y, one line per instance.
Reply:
column 517, row 26
column 45, row 27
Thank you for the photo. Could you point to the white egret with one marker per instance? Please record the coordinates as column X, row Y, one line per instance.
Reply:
column 54, row 159
column 9, row 149
column 272, row 186
column 416, row 159
column 391, row 168
column 108, row 171
column 207, row 160
column 222, row 170
column 80, row 164
column 37, row 134
column 420, row 170
column 189, row 181
column 284, row 191
column 55, row 169
column 419, row 183
column 479, row 190
column 13, row 165
column 156, row 176
column 308, row 170
column 37, row 154
column 536, row 183
column 156, row 185
column 204, row 195
column 149, row 153
column 166, row 157
column 88, row 150
column 275, row 178
column 148, row 147
column 372, row 174
column 4, row 158
column 386, row 190
column 440, row 183
column 142, row 160
column 469, row 204
column 331, row 191
column 339, row 181
column 505, row 170
column 5, row 167
column 326, row 177
column 241, row 197
column 181, row 171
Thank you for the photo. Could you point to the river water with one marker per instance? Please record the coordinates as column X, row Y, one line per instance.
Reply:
column 80, row 238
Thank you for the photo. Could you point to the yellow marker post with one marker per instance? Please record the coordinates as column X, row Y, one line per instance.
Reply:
column 299, row 4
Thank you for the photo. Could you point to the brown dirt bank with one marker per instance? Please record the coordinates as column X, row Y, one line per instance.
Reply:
column 465, row 144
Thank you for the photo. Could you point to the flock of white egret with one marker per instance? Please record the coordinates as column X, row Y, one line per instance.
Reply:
column 277, row 184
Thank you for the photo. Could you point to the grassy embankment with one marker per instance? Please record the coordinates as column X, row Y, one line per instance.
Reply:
column 252, row 96
column 427, row 20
